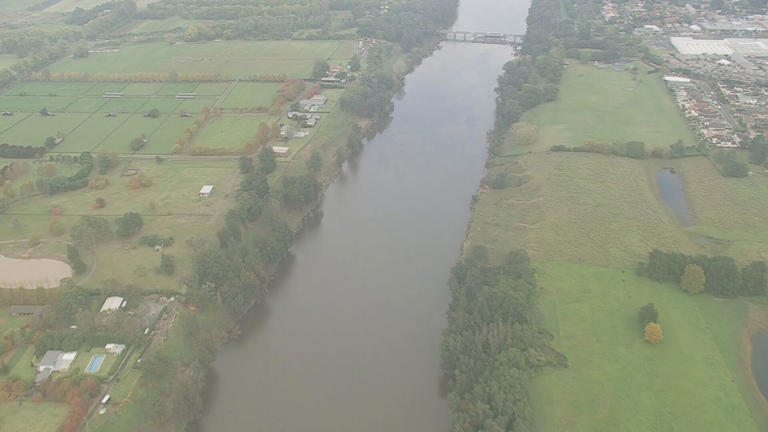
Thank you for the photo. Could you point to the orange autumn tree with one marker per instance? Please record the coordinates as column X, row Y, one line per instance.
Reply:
column 653, row 333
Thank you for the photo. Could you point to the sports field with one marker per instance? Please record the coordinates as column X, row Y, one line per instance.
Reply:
column 235, row 59
column 622, row 107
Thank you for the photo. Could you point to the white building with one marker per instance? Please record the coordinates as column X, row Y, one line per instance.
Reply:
column 114, row 348
column 112, row 304
column 206, row 190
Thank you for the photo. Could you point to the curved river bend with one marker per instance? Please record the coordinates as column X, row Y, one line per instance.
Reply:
column 349, row 337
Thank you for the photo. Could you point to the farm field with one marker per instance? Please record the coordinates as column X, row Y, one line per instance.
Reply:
column 152, row 26
column 238, row 59
column 31, row 416
column 622, row 107
column 617, row 381
column 249, row 94
column 80, row 113
column 231, row 130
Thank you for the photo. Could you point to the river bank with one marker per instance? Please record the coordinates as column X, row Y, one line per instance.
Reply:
column 585, row 220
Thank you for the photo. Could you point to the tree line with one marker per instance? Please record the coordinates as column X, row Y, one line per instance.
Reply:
column 490, row 347
column 718, row 275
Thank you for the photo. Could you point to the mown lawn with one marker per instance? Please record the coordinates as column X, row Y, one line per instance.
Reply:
column 605, row 105
column 615, row 380
column 31, row 416
column 235, row 59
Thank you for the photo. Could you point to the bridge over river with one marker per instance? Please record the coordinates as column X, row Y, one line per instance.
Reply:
column 482, row 37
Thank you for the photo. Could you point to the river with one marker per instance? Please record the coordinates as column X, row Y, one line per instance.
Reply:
column 349, row 337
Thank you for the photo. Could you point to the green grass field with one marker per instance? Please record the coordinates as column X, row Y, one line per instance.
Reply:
column 248, row 94
column 163, row 25
column 84, row 357
column 622, row 107
column 31, row 416
column 231, row 131
column 586, row 219
column 236, row 59
column 615, row 380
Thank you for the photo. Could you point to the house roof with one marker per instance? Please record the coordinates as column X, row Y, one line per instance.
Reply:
column 278, row 149
column 25, row 309
column 49, row 359
column 111, row 304
column 206, row 189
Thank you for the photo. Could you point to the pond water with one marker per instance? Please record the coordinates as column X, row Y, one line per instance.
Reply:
column 760, row 361
column 671, row 188
column 348, row 339
column 32, row 273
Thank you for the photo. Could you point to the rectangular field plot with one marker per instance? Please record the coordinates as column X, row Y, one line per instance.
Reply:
column 99, row 89
column 119, row 141
column 6, row 122
column 86, row 105
column 8, row 60
column 164, row 105
column 35, row 88
column 211, row 89
column 194, row 106
column 235, row 59
column 35, row 103
column 172, row 88
column 142, row 89
column 89, row 134
column 249, row 94
column 123, row 105
column 230, row 131
column 34, row 129
column 162, row 25
column 162, row 141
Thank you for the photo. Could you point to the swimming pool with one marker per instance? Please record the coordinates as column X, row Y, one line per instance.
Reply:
column 95, row 363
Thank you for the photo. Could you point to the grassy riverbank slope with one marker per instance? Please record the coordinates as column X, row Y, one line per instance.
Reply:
column 586, row 219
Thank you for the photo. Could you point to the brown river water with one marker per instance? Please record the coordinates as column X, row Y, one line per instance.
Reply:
column 349, row 337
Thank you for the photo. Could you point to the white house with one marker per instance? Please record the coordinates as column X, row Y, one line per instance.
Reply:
column 206, row 190
column 114, row 348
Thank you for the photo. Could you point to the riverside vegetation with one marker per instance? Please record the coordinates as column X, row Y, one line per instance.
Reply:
column 583, row 125
column 135, row 226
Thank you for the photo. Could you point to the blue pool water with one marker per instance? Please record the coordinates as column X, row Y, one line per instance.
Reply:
column 95, row 363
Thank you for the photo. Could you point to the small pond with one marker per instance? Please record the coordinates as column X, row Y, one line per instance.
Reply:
column 32, row 273
column 760, row 361
column 671, row 188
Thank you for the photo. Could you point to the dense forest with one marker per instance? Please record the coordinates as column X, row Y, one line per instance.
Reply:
column 490, row 347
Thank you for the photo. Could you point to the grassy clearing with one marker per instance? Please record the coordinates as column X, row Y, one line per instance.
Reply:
column 164, row 137
column 31, row 416
column 248, row 94
column 620, row 108
column 35, row 103
column 237, row 59
column 8, row 60
column 9, row 323
column 231, row 131
column 580, row 207
column 163, row 25
column 616, row 380
column 120, row 139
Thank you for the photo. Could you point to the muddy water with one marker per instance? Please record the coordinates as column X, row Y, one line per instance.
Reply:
column 349, row 337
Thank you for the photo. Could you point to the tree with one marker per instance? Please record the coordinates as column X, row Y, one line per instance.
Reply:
column 50, row 142
column 90, row 231
column 315, row 162
column 246, row 165
column 139, row 142
column 81, row 51
column 320, row 69
column 300, row 190
column 128, row 224
column 754, row 279
column 758, row 150
column 167, row 264
column 100, row 203
column 653, row 333
column 153, row 113
column 354, row 63
column 693, row 280
column 647, row 314
column 267, row 162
